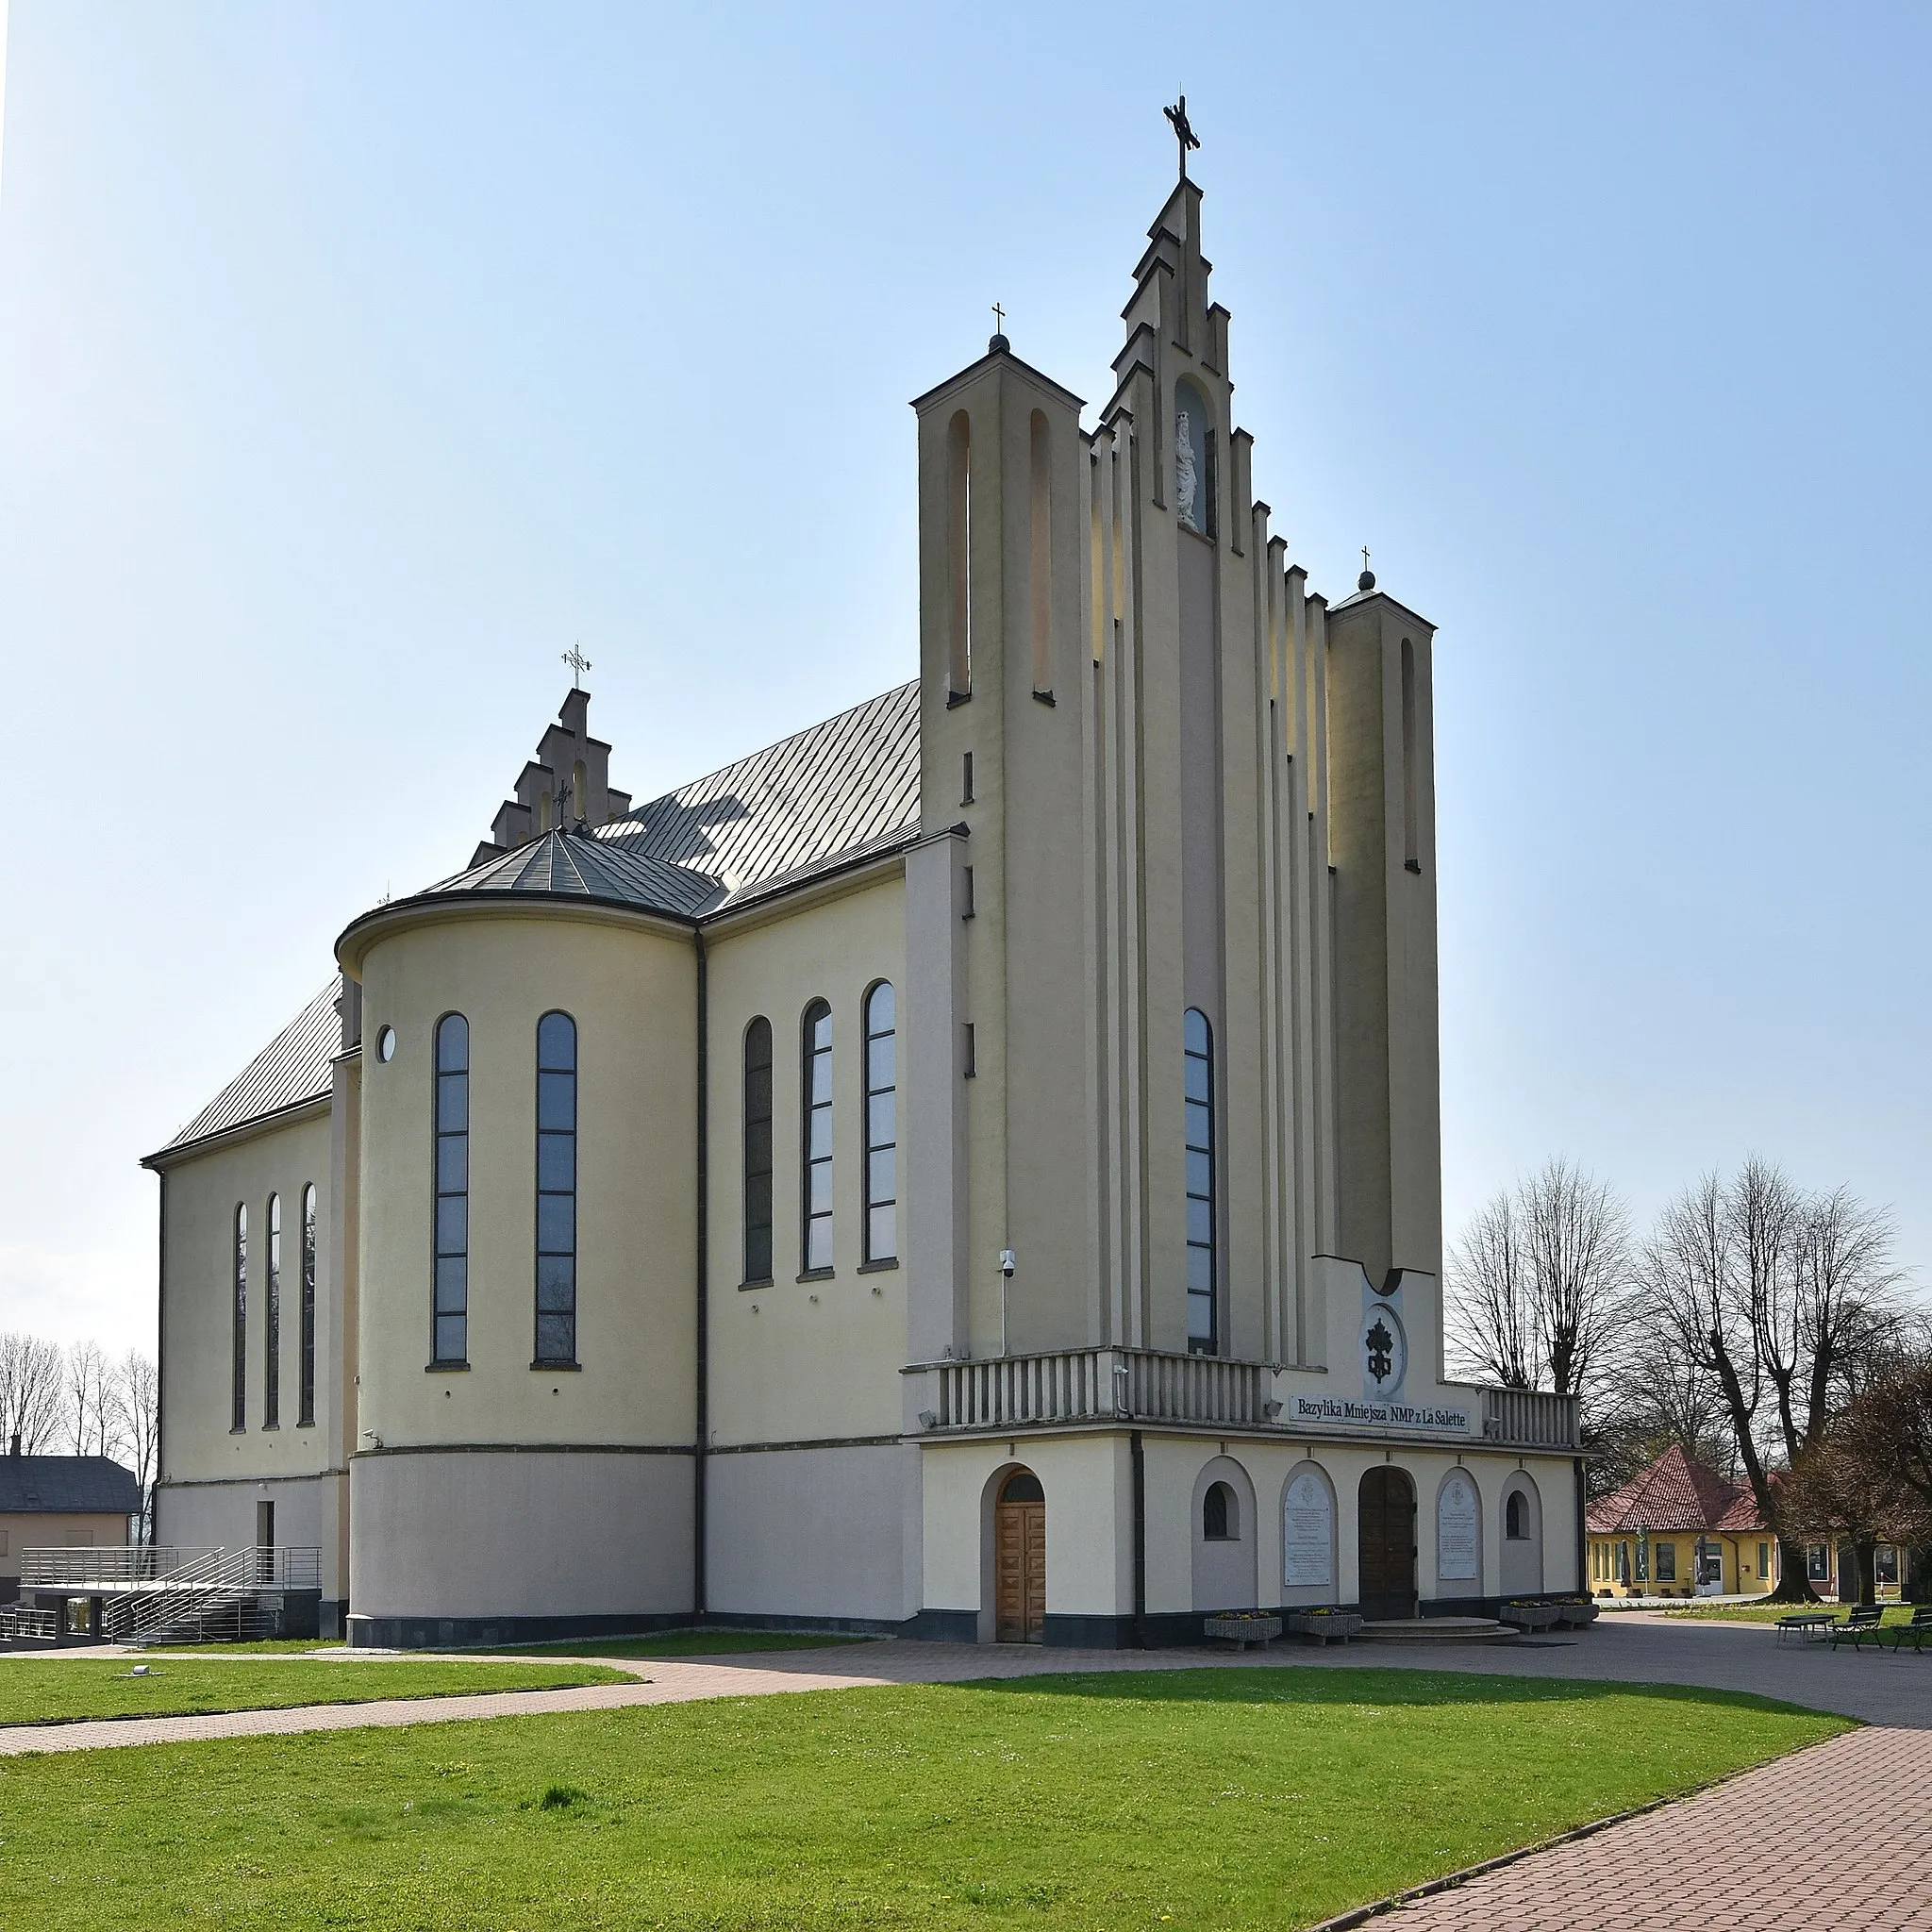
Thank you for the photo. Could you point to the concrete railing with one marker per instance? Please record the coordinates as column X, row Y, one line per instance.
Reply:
column 1531, row 1419
column 1076, row 1385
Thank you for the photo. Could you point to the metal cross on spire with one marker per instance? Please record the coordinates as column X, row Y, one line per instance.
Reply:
column 999, row 319
column 577, row 661
column 1182, row 131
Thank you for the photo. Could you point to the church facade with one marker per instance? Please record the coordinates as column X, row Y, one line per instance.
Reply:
column 972, row 1169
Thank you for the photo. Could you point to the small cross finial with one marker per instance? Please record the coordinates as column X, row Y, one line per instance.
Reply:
column 577, row 661
column 1182, row 132
column 1367, row 580
column 1365, row 557
column 999, row 318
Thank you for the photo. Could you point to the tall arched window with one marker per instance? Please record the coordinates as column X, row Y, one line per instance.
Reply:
column 450, row 1337
column 1198, row 1087
column 881, row 1125
column 757, row 1151
column 557, row 1190
column 816, row 1178
column 1221, row 1518
column 306, row 1399
column 1040, row 560
column 271, row 1322
column 1410, row 805
column 1514, row 1516
column 238, row 1403
column 960, row 557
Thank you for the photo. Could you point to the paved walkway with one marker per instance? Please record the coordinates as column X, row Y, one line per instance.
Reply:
column 1888, row 1689
column 1836, row 1833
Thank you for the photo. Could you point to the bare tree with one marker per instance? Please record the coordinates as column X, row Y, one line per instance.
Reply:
column 29, row 1393
column 90, row 1400
column 1780, row 1298
column 140, row 1402
column 1540, row 1282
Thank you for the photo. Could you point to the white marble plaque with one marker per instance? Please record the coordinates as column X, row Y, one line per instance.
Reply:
column 1308, row 1534
column 1457, row 1517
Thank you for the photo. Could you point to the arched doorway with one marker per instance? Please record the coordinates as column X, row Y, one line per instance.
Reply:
column 1019, row 1543
column 1385, row 1516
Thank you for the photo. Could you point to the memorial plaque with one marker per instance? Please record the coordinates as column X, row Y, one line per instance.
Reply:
column 1456, row 1530
column 1308, row 1534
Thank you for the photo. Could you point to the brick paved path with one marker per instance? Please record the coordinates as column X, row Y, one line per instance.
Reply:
column 1840, row 1834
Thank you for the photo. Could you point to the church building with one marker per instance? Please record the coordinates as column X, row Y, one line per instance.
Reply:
column 972, row 1170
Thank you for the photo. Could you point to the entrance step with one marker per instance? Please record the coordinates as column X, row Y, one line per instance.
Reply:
column 1437, row 1630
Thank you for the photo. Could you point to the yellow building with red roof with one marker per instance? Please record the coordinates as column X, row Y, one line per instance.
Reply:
column 1680, row 1529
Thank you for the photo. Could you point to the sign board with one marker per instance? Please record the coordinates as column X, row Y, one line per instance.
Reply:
column 1456, row 1520
column 1308, row 1534
column 1347, row 1411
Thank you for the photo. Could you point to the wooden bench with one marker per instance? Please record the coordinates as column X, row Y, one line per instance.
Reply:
column 1914, row 1633
column 1862, row 1623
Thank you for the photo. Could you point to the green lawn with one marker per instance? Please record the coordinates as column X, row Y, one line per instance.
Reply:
column 1212, row 1800
column 47, row 1689
column 685, row 1644
column 1770, row 1614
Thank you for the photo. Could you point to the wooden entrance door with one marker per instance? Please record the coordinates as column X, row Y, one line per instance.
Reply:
column 1020, row 1560
column 1386, row 1516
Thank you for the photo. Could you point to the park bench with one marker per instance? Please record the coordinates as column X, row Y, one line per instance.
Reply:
column 1914, row 1633
column 1862, row 1623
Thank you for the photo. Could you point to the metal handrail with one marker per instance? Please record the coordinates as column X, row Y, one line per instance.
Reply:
column 50, row 1569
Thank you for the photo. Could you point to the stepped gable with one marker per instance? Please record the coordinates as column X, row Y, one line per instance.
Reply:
column 292, row 1068
column 1677, row 1493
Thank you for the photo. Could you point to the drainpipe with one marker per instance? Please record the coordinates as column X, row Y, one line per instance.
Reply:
column 1137, row 1455
column 702, row 1404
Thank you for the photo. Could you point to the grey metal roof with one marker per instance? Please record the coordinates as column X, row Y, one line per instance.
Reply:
column 809, row 803
column 67, row 1486
column 291, row 1068
column 573, row 865
column 815, row 800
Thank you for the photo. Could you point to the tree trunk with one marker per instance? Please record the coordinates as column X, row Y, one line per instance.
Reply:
column 1792, row 1585
column 1918, row 1574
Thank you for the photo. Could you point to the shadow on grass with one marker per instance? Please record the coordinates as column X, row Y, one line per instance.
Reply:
column 1284, row 1684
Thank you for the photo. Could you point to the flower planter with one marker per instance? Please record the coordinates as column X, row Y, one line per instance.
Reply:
column 1338, row 1624
column 1529, row 1616
column 1242, row 1631
column 1575, row 1616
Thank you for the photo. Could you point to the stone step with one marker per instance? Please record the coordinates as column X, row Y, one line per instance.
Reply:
column 1437, row 1630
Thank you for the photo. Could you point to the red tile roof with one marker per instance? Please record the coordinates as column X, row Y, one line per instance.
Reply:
column 1675, row 1492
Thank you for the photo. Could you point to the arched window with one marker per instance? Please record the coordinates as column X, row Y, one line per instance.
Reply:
column 1198, row 1047
column 1514, row 1525
column 306, row 1404
column 757, row 1151
column 816, row 1179
column 557, row 1190
column 960, row 557
column 450, row 1329
column 271, row 1322
column 881, row 1125
column 1221, row 1514
column 238, row 1405
column 1410, row 857
column 1039, row 560
column 1193, row 461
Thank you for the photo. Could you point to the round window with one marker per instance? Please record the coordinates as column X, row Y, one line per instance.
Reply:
column 386, row 1044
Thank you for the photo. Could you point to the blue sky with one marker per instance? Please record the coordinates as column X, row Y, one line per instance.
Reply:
column 356, row 360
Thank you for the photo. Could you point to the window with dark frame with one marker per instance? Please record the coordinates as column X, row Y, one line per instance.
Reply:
column 1667, row 1562
column 556, row 1190
column 238, row 1405
column 271, row 1322
column 450, row 1327
column 816, row 1192
column 1220, row 1515
column 306, row 1404
column 1198, row 1089
column 757, row 1151
column 881, row 1124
